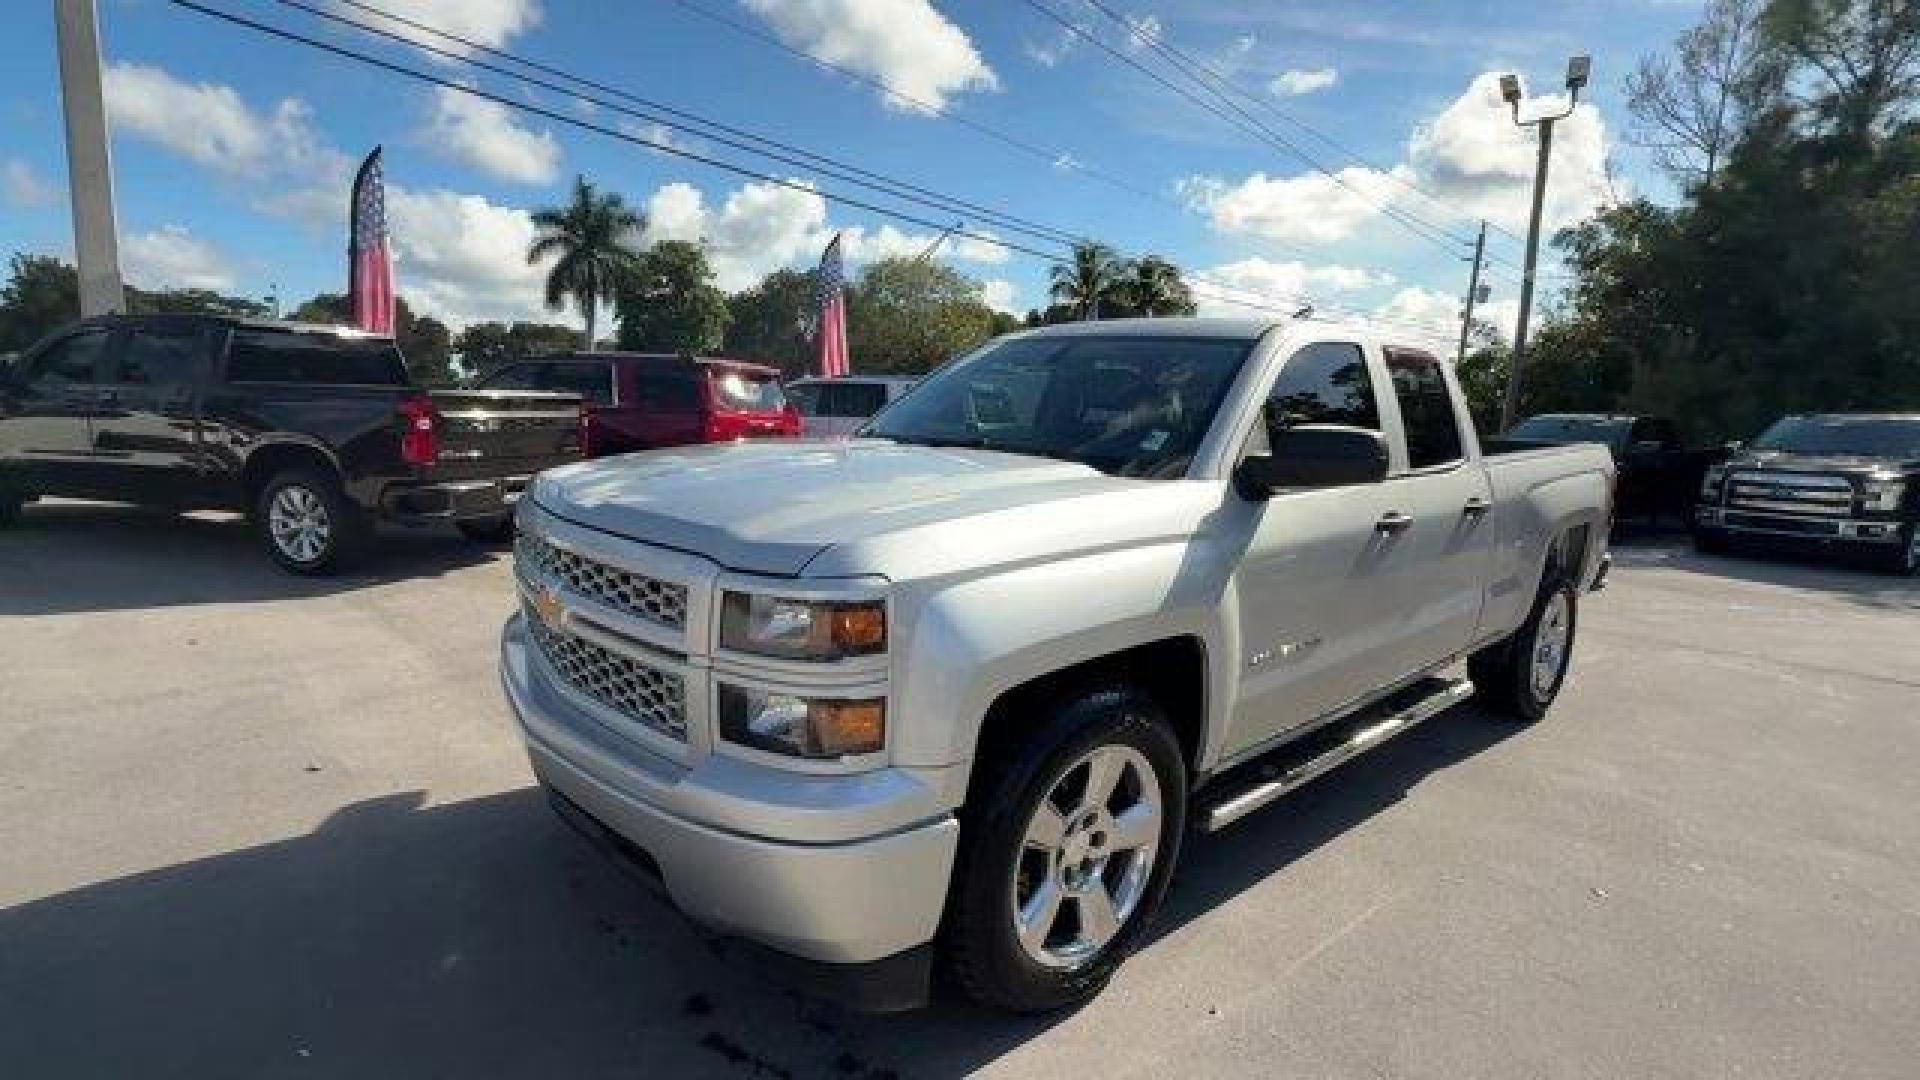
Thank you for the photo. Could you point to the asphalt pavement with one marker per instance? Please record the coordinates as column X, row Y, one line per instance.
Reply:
column 254, row 826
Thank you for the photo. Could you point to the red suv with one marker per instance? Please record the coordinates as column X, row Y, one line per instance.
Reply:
column 638, row 401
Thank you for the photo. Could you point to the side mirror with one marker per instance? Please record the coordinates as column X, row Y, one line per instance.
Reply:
column 1314, row 456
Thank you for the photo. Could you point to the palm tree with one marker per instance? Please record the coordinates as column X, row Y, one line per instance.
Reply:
column 1081, row 283
column 593, row 237
column 1152, row 286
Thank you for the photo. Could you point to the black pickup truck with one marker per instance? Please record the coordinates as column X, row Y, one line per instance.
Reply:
column 1841, row 481
column 1658, row 473
column 314, row 431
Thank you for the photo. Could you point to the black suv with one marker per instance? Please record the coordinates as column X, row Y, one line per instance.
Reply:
column 1847, row 481
column 315, row 431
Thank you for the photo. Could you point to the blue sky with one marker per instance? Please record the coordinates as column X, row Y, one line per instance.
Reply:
column 231, row 150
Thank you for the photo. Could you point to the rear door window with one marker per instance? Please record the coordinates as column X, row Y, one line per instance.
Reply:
column 161, row 357
column 279, row 356
column 74, row 359
column 856, row 400
column 1426, row 409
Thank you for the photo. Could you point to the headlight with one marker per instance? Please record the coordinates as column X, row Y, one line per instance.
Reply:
column 1884, row 494
column 796, row 726
column 802, row 629
column 1710, row 484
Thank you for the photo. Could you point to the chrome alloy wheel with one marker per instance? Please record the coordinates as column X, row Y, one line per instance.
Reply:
column 1086, row 857
column 1550, row 642
column 299, row 522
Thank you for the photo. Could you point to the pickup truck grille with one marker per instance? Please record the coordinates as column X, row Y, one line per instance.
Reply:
column 653, row 698
column 656, row 601
column 1791, row 493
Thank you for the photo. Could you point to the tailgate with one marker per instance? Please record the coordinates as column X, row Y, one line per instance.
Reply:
column 491, row 433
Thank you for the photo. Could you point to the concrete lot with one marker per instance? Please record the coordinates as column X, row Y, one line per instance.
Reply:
column 251, row 826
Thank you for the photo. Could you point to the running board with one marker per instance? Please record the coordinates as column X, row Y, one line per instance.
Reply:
column 1335, row 746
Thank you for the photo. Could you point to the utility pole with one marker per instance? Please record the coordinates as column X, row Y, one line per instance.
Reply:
column 1578, row 70
column 89, row 169
column 1474, row 289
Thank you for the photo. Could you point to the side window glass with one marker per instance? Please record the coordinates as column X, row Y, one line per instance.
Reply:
column 1426, row 408
column 1324, row 383
column 806, row 398
column 668, row 390
column 158, row 358
column 72, row 360
column 592, row 381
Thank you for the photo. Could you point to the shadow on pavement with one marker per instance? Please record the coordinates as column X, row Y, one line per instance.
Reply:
column 77, row 557
column 482, row 938
column 1787, row 566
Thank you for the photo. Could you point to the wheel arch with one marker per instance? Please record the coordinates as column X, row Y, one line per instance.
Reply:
column 271, row 458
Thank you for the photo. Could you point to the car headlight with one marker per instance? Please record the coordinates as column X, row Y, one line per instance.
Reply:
column 1883, row 495
column 783, row 723
column 791, row 629
column 1710, row 484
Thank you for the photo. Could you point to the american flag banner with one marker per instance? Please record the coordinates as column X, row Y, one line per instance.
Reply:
column 830, row 328
column 369, row 266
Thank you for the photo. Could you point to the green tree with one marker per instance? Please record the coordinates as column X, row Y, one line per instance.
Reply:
column 1087, row 278
column 772, row 321
column 484, row 347
column 668, row 302
column 592, row 237
column 905, row 316
column 41, row 294
column 1149, row 286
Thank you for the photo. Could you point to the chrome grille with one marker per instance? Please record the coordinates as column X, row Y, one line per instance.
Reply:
column 654, row 698
column 662, row 602
column 1791, row 493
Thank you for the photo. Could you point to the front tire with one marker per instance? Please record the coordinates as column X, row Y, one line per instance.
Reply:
column 308, row 524
column 1519, row 677
column 1066, row 855
column 1900, row 560
column 1710, row 541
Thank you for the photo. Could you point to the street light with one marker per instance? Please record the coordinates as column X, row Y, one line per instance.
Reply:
column 1579, row 71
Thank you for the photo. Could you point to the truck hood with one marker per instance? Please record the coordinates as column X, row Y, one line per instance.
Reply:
column 772, row 507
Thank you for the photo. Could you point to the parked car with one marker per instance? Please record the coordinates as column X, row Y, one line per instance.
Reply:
column 641, row 401
column 1658, row 473
column 836, row 408
column 315, row 431
column 952, row 693
column 1843, row 482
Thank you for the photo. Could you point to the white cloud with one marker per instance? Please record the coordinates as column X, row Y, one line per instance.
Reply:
column 1050, row 52
column 491, row 23
column 172, row 258
column 1001, row 295
column 906, row 44
column 1295, row 82
column 210, row 124
column 24, row 187
column 463, row 258
column 1265, row 284
column 1469, row 160
column 487, row 135
column 1142, row 31
column 760, row 227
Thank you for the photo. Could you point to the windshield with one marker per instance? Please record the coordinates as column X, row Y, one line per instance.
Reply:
column 1842, row 436
column 1128, row 406
column 1571, row 429
column 749, row 391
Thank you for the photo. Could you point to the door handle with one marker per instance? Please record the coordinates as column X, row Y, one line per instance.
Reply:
column 1392, row 521
column 1476, row 506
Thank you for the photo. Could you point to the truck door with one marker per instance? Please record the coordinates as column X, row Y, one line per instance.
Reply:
column 1316, row 588
column 1443, row 549
column 46, row 437
column 146, row 431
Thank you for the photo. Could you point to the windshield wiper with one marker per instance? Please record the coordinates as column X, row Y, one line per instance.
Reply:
column 962, row 442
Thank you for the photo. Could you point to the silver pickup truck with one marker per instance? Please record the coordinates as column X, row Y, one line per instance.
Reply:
column 953, row 692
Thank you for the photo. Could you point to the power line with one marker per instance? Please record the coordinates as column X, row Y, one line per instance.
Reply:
column 682, row 120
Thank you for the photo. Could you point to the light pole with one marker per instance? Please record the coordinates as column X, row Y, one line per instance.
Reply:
column 96, row 245
column 1476, row 294
column 1578, row 70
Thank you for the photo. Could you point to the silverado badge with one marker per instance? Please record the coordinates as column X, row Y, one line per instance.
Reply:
column 546, row 606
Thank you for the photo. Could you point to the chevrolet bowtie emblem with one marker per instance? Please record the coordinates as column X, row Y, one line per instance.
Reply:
column 546, row 607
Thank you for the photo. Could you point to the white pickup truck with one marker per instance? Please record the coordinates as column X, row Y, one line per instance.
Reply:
column 953, row 692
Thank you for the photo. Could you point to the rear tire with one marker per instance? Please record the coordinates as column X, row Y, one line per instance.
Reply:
column 492, row 530
column 1518, row 678
column 308, row 524
column 1086, row 873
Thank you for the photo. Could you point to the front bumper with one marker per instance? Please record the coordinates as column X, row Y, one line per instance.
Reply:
column 1805, row 527
column 710, row 831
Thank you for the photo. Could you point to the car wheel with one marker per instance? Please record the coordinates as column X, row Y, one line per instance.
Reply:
column 492, row 530
column 1520, row 677
column 308, row 524
column 1066, row 855
column 1901, row 559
